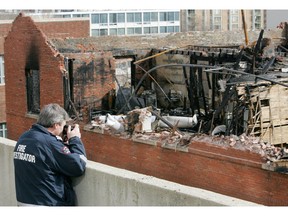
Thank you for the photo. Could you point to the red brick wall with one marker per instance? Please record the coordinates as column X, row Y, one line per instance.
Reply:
column 228, row 171
column 26, row 47
column 4, row 28
column 53, row 29
column 60, row 28
column 63, row 29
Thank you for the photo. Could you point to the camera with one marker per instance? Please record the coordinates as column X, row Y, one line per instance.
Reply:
column 64, row 133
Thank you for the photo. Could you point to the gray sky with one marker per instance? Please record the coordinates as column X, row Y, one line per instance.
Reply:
column 274, row 17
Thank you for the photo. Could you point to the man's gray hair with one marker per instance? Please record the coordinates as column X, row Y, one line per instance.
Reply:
column 52, row 114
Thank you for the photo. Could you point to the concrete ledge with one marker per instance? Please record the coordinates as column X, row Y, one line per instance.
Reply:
column 103, row 185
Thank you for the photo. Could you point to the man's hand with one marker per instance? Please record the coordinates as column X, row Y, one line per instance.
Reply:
column 74, row 132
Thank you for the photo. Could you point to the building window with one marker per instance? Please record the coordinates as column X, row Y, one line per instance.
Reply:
column 94, row 32
column 103, row 32
column 150, row 16
column 95, row 18
column 99, row 32
column 169, row 29
column 3, row 130
column 121, row 31
column 115, row 18
column 113, row 31
column 217, row 12
column 99, row 19
column 150, row 30
column 2, row 74
column 117, row 31
column 80, row 15
column 134, row 17
column 169, row 16
column 257, row 19
column 132, row 31
column 217, row 20
column 33, row 91
column 235, row 12
column 66, row 16
column 233, row 23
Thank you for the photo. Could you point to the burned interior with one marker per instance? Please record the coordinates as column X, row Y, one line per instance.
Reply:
column 235, row 95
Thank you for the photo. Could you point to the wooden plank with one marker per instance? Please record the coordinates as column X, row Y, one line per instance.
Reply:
column 277, row 115
column 274, row 92
column 276, row 135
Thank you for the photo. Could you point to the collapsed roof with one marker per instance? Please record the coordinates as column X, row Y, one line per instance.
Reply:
column 234, row 92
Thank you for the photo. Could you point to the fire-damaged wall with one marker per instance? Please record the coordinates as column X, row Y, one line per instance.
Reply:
column 60, row 28
column 93, row 81
column 28, row 53
column 82, row 70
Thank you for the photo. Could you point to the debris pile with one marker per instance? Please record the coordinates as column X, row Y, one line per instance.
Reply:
column 233, row 96
column 142, row 125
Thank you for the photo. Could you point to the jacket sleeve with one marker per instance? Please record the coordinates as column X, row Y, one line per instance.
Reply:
column 69, row 159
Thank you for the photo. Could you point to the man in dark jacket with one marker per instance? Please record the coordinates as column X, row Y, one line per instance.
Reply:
column 44, row 163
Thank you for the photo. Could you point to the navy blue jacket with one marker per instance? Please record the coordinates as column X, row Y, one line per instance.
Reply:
column 43, row 165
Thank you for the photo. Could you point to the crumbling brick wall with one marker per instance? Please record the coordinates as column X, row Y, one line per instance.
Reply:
column 26, row 48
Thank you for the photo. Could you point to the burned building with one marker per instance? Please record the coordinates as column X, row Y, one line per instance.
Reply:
column 210, row 115
column 60, row 28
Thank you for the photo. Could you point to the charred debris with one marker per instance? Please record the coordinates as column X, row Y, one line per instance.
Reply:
column 233, row 96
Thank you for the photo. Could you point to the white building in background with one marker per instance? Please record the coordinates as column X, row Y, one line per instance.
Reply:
column 122, row 22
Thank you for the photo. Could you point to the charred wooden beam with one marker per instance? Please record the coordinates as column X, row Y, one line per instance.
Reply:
column 283, row 48
column 255, row 76
column 201, row 90
column 188, row 88
column 258, row 45
column 268, row 65
column 239, row 57
column 121, row 91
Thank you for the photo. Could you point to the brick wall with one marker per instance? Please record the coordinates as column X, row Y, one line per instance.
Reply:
column 227, row 171
column 4, row 28
column 63, row 29
column 27, row 48
column 53, row 28
column 56, row 28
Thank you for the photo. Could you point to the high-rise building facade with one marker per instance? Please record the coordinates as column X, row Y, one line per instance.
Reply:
column 222, row 20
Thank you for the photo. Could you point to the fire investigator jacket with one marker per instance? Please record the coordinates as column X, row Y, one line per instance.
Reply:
column 43, row 166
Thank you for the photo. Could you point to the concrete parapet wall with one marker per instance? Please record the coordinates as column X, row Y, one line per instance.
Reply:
column 103, row 185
